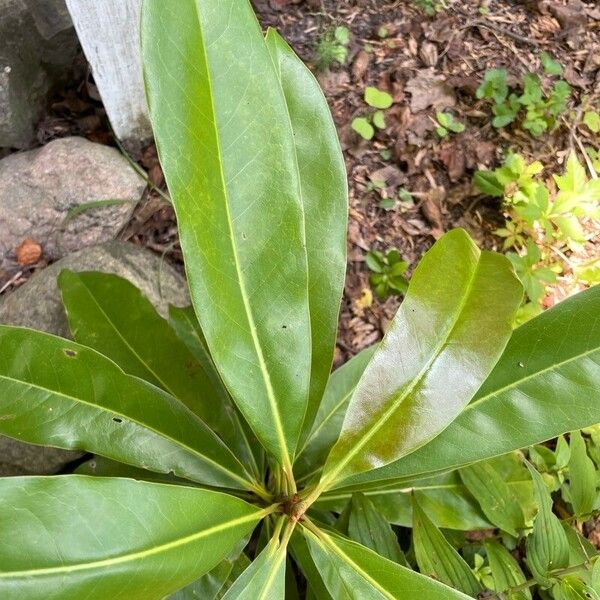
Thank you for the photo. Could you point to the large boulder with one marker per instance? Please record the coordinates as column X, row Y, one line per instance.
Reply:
column 36, row 50
column 38, row 189
column 37, row 304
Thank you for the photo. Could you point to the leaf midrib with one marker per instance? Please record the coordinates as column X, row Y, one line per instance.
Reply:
column 179, row 443
column 474, row 404
column 332, row 477
column 284, row 451
column 142, row 554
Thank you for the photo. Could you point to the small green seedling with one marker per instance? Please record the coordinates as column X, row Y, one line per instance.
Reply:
column 366, row 125
column 592, row 120
column 541, row 107
column 332, row 48
column 447, row 124
column 388, row 269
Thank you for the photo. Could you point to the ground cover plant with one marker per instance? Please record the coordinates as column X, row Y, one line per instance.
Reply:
column 220, row 435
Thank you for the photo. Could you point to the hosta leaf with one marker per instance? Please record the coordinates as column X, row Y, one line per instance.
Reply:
column 582, row 478
column 547, row 545
column 324, row 192
column 495, row 497
column 545, row 384
column 506, row 571
column 447, row 335
column 111, row 315
column 264, row 579
column 227, row 150
column 238, row 436
column 59, row 393
column 74, row 537
column 436, row 557
column 368, row 527
column 572, row 588
column 330, row 416
column 353, row 572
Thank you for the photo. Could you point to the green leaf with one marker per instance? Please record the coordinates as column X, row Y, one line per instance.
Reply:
column 437, row 558
column 368, row 527
column 538, row 390
column 363, row 128
column 455, row 294
column 494, row 85
column 572, row 588
column 377, row 98
column 330, row 416
column 592, row 120
column 110, row 315
column 547, row 545
column 487, row 183
column 495, row 497
column 59, row 393
column 582, row 478
column 324, row 193
column 81, row 537
column 301, row 553
column 551, row 66
column 237, row 434
column 505, row 570
column 353, row 572
column 264, row 579
column 379, row 119
column 230, row 163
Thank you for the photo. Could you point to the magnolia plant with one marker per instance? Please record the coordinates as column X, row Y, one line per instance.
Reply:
column 219, row 434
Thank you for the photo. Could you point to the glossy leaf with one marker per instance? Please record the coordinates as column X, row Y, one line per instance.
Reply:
column 329, row 419
column 505, row 570
column 59, row 393
column 495, row 497
column 572, row 588
column 444, row 498
column 112, row 316
column 368, row 527
column 324, row 193
column 301, row 553
column 238, row 436
column 353, row 572
column 437, row 558
column 77, row 537
column 447, row 335
column 227, row 150
column 545, row 384
column 264, row 579
column 582, row 478
column 547, row 545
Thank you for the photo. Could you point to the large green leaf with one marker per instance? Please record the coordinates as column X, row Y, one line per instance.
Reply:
column 445, row 339
column 301, row 553
column 324, row 191
column 505, row 570
column 73, row 537
column 329, row 419
column 353, row 572
column 227, row 149
column 239, row 437
column 58, row 393
column 545, row 384
column 111, row 315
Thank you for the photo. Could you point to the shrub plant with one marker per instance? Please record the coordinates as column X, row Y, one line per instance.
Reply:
column 223, row 424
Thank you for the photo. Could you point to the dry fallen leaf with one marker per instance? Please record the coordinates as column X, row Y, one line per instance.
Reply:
column 28, row 252
column 428, row 89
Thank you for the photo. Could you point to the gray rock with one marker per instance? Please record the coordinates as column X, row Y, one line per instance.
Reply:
column 50, row 16
column 35, row 51
column 37, row 304
column 39, row 187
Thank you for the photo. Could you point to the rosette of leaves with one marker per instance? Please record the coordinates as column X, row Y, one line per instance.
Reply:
column 366, row 125
column 332, row 48
column 388, row 270
column 223, row 445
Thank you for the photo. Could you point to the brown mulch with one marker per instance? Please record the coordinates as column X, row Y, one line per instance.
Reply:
column 426, row 63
